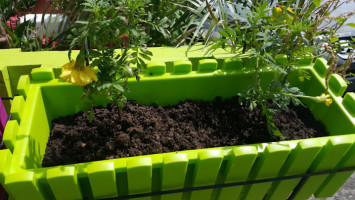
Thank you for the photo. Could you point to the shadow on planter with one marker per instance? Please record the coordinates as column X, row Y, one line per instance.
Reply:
column 45, row 98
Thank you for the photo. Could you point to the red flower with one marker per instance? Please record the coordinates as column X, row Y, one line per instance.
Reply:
column 13, row 22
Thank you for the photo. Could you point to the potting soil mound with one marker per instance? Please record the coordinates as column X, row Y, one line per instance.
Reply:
column 152, row 129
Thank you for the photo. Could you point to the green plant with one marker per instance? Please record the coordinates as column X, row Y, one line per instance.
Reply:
column 164, row 21
column 49, row 35
column 110, row 25
column 161, row 20
column 275, row 35
column 19, row 38
column 9, row 8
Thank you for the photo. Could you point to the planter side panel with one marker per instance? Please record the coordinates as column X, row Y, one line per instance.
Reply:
column 267, row 166
column 237, row 170
column 329, row 157
column 63, row 182
column 66, row 99
column 24, row 185
column 33, row 119
column 334, row 181
column 102, row 179
column 297, row 163
column 5, row 159
column 173, row 174
column 205, row 173
column 171, row 89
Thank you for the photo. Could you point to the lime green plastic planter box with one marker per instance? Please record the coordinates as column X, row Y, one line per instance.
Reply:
column 14, row 63
column 45, row 98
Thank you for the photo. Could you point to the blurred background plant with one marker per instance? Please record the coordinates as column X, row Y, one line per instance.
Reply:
column 10, row 8
column 164, row 21
column 274, row 34
column 38, row 25
column 51, row 22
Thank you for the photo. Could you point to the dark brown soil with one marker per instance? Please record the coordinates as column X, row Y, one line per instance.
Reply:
column 153, row 129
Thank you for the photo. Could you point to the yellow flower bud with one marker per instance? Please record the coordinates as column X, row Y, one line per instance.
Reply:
column 328, row 102
column 324, row 98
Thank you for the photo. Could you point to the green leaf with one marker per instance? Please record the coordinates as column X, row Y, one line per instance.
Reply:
column 134, row 32
column 333, row 39
column 146, row 51
column 230, row 31
column 351, row 25
column 223, row 33
column 11, row 34
column 94, row 54
column 317, row 2
column 145, row 56
column 118, row 86
column 141, row 63
column 163, row 21
column 20, row 29
column 82, row 22
column 121, row 101
column 134, row 54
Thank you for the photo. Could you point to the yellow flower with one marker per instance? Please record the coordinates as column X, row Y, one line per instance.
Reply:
column 78, row 77
column 325, row 98
column 279, row 11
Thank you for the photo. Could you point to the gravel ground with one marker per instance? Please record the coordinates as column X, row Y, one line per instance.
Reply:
column 347, row 192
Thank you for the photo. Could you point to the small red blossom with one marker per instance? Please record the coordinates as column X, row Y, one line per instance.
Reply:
column 13, row 22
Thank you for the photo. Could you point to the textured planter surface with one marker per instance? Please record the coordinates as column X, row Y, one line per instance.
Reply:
column 45, row 98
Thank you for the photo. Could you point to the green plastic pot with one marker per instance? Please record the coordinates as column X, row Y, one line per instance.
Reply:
column 44, row 98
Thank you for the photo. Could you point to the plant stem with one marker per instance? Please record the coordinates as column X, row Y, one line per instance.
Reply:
column 300, row 96
column 80, row 59
column 324, row 98
column 91, row 114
